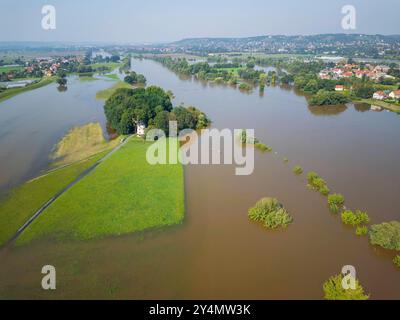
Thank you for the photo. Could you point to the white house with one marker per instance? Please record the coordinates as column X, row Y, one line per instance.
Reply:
column 339, row 87
column 379, row 95
column 140, row 129
column 395, row 95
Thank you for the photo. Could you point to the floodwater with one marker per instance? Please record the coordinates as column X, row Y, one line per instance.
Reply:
column 217, row 252
column 31, row 124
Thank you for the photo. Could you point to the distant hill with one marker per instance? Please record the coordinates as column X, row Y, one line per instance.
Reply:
column 347, row 44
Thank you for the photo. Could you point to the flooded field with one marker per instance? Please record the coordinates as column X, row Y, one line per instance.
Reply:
column 217, row 252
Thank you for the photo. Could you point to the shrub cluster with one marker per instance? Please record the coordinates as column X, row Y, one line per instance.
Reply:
column 297, row 170
column 315, row 182
column 271, row 213
column 386, row 235
column 361, row 230
column 396, row 261
column 335, row 202
column 334, row 290
column 254, row 141
column 355, row 218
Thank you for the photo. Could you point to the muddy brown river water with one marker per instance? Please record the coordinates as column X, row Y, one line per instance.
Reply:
column 216, row 252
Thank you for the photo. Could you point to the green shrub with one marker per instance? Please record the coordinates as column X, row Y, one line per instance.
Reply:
column 271, row 213
column 262, row 147
column 324, row 97
column 361, row 231
column 278, row 219
column 297, row 170
column 324, row 190
column 396, row 261
column 247, row 140
column 245, row 87
column 316, row 183
column 254, row 141
column 334, row 290
column 386, row 235
column 335, row 202
column 355, row 218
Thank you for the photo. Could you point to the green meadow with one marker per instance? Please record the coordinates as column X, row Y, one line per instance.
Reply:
column 22, row 202
column 7, row 69
column 106, row 93
column 14, row 91
column 105, row 66
column 123, row 194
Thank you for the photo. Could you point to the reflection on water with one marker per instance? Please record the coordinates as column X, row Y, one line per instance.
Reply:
column 327, row 110
column 362, row 107
column 217, row 252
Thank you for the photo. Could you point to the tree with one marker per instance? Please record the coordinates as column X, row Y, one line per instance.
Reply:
column 161, row 121
column 386, row 235
column 115, row 58
column 334, row 290
column 364, row 91
column 185, row 118
column 126, row 108
column 323, row 97
column 335, row 202
column 250, row 65
column 271, row 213
column 62, row 80
column 355, row 218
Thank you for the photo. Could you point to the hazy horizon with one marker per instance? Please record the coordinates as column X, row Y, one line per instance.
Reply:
column 160, row 21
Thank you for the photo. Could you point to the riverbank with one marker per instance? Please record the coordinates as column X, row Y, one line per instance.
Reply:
column 106, row 93
column 80, row 143
column 9, row 93
column 383, row 104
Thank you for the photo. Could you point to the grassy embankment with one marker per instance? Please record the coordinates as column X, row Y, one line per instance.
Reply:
column 21, row 203
column 77, row 151
column 6, row 69
column 80, row 143
column 7, row 94
column 106, row 93
column 123, row 194
column 87, row 78
column 112, row 76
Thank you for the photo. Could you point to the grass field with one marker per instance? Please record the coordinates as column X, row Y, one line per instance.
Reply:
column 8, row 69
column 106, row 93
column 106, row 66
column 80, row 143
column 9, row 93
column 87, row 78
column 21, row 203
column 112, row 76
column 123, row 194
column 233, row 70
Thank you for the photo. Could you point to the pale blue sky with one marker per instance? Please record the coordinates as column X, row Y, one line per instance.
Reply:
column 133, row 21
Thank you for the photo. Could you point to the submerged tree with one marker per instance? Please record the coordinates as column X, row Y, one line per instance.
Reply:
column 271, row 213
column 334, row 289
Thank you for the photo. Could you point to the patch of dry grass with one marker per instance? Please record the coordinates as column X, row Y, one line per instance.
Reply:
column 80, row 143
